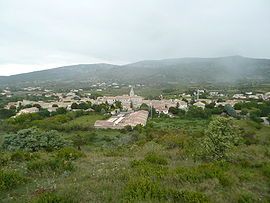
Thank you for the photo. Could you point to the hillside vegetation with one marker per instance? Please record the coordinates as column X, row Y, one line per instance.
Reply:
column 234, row 69
column 179, row 159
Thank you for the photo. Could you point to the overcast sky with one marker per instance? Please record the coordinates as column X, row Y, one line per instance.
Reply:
column 40, row 34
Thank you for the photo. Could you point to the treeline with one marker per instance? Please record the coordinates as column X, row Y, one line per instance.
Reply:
column 252, row 110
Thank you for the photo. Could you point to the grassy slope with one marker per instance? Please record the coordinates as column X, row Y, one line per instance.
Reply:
column 107, row 175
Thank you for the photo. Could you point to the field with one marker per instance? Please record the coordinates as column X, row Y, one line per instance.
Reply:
column 156, row 163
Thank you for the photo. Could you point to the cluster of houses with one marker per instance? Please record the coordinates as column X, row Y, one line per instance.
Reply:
column 129, row 101
column 6, row 92
column 250, row 95
column 100, row 86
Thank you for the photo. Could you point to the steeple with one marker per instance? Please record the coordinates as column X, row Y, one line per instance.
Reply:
column 131, row 93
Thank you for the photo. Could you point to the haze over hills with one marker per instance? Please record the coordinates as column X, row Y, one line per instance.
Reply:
column 232, row 69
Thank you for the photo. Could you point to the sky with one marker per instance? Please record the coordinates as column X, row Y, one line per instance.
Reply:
column 42, row 34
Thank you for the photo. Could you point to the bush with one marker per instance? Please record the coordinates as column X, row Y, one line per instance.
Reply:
column 69, row 154
column 4, row 158
column 246, row 198
column 188, row 196
column 34, row 140
column 205, row 171
column 155, row 159
column 143, row 188
column 266, row 170
column 197, row 112
column 7, row 113
column 56, row 165
column 172, row 141
column 52, row 197
column 10, row 180
column 145, row 168
column 23, row 156
column 252, row 156
column 221, row 135
column 230, row 110
column 250, row 137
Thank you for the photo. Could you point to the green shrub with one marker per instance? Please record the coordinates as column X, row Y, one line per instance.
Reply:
column 33, row 140
column 155, row 159
column 250, row 137
column 23, row 156
column 172, row 141
column 188, row 196
column 203, row 172
column 142, row 188
column 52, row 197
column 145, row 168
column 69, row 154
column 55, row 165
column 247, row 156
column 246, row 198
column 10, row 180
column 4, row 158
column 221, row 136
column 266, row 170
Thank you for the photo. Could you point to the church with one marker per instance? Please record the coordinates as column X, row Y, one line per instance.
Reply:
column 128, row 101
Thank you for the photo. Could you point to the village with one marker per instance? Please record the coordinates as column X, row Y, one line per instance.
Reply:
column 128, row 112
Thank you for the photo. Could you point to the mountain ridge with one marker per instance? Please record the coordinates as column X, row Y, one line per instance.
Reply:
column 176, row 70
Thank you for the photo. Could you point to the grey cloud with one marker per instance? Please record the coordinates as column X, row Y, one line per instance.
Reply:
column 119, row 31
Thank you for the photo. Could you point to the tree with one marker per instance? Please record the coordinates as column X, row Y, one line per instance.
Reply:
column 6, row 113
column 197, row 112
column 61, row 110
column 83, row 105
column 265, row 111
column 238, row 106
column 118, row 105
column 55, row 105
column 12, row 107
column 37, row 106
column 230, row 110
column 78, row 141
column 34, row 140
column 74, row 106
column 220, row 136
column 173, row 110
column 144, row 106
column 216, row 110
column 44, row 113
column 185, row 100
column 211, row 105
column 27, row 106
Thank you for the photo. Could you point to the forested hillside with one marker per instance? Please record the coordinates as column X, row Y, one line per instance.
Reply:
column 234, row 69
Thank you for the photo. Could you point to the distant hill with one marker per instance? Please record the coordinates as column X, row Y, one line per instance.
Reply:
column 153, row 72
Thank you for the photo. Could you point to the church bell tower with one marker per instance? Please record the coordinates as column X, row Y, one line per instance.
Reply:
column 131, row 93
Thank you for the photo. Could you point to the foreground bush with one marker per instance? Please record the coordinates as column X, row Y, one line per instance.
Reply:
column 23, row 156
column 203, row 172
column 155, row 159
column 4, row 158
column 69, row 154
column 266, row 170
column 34, row 140
column 145, row 189
column 51, row 197
column 10, row 179
column 144, row 168
column 221, row 135
column 51, row 165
